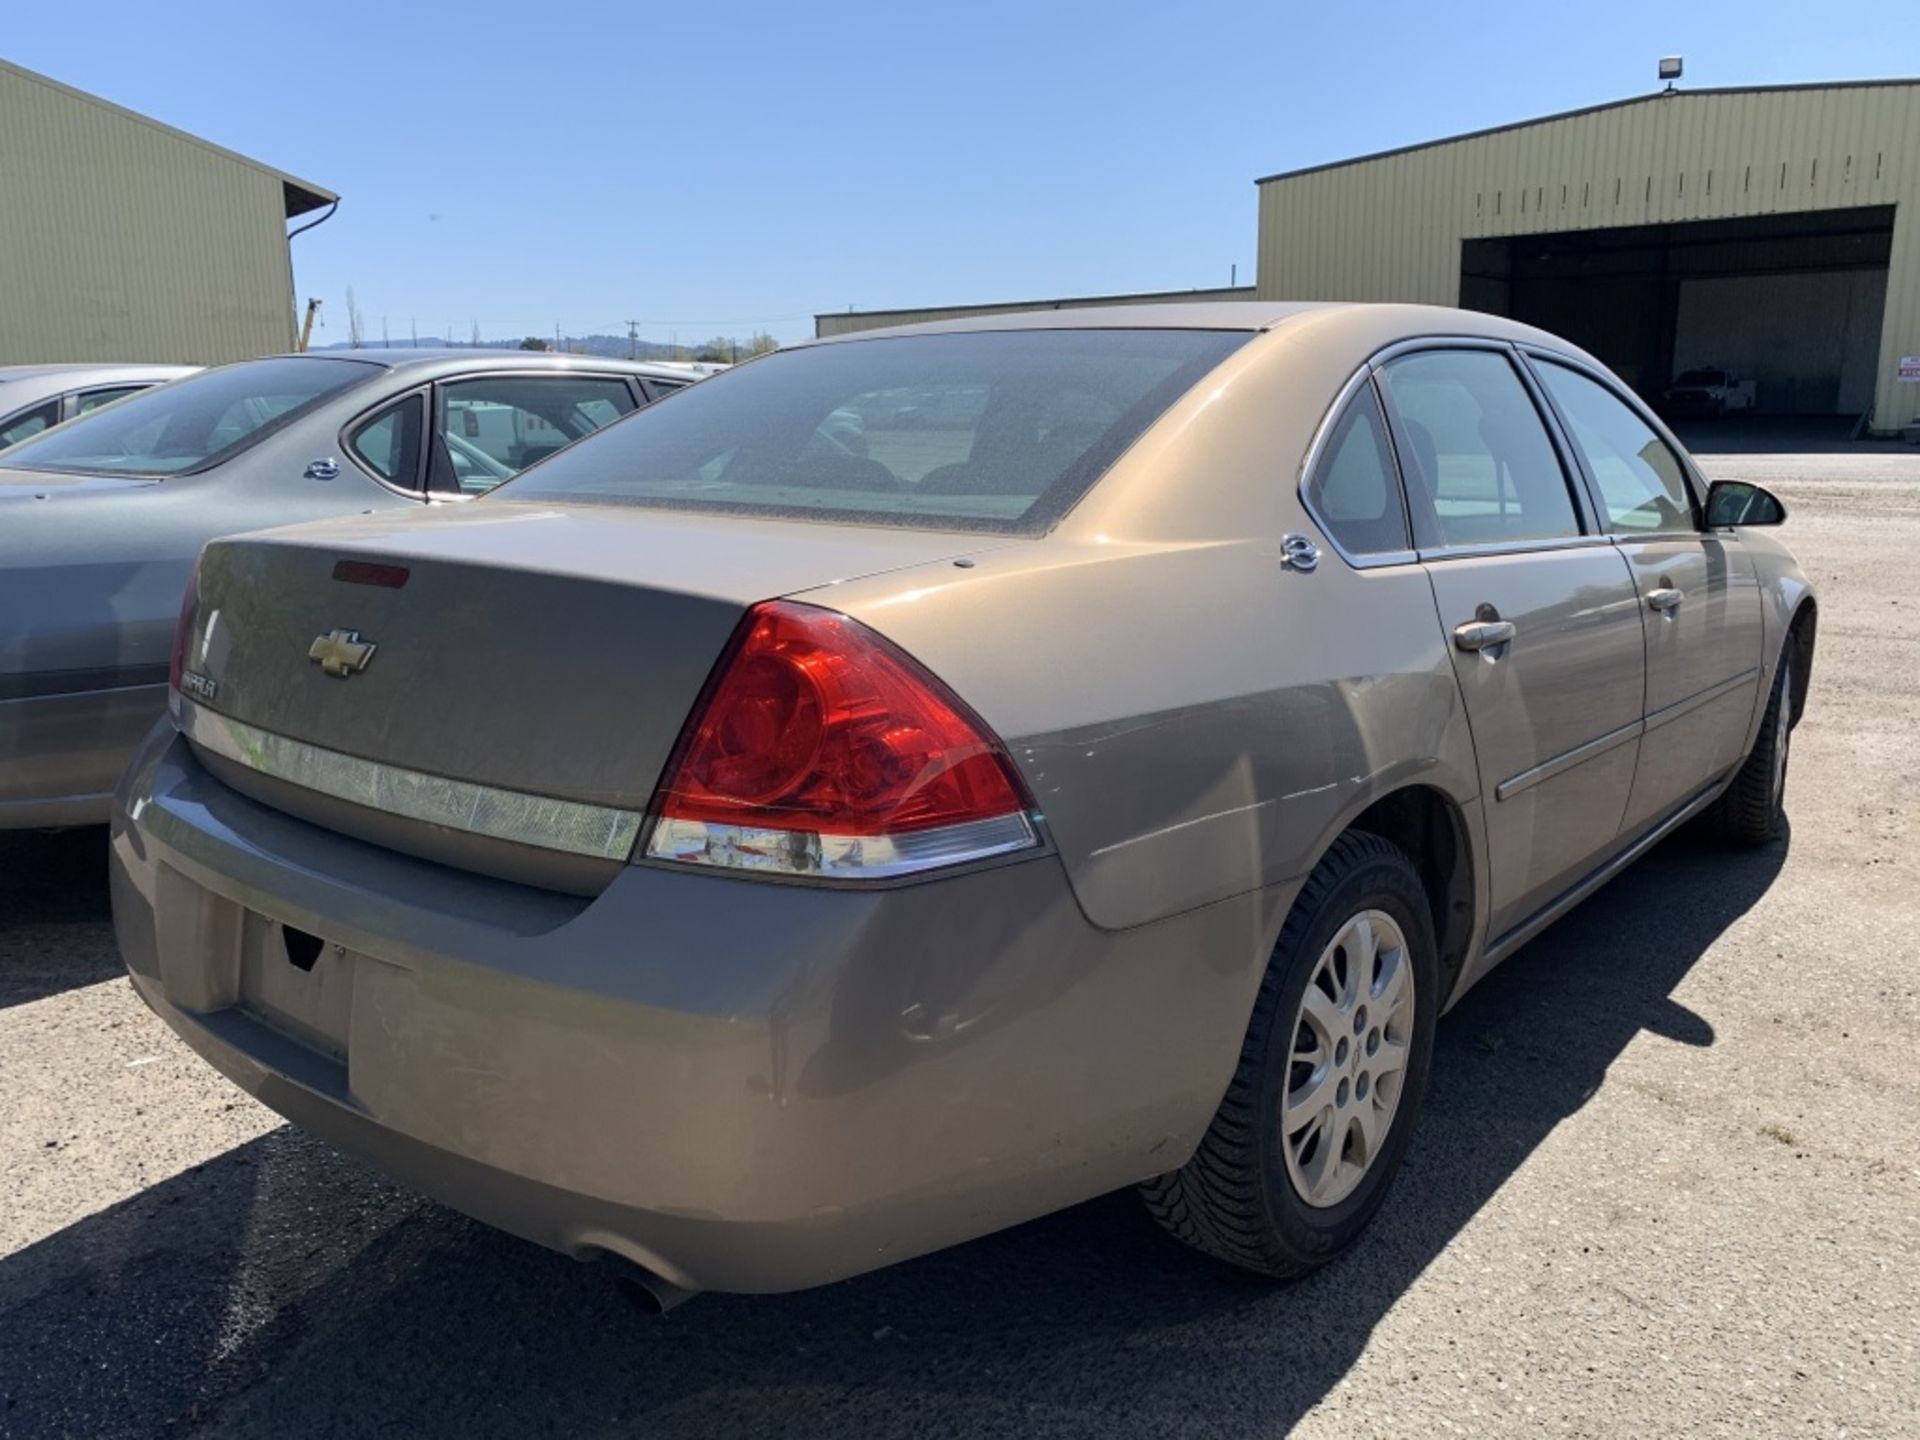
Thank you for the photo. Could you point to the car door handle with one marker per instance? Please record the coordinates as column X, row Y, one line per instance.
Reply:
column 1665, row 598
column 1481, row 634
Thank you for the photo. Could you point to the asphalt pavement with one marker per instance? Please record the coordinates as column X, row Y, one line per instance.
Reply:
column 1667, row 1183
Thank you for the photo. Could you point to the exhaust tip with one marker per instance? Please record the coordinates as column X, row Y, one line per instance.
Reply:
column 645, row 1291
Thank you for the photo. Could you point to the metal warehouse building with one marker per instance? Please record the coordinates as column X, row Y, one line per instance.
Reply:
column 124, row 239
column 1772, row 231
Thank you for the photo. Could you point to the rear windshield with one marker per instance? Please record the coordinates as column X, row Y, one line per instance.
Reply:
column 191, row 423
column 998, row 431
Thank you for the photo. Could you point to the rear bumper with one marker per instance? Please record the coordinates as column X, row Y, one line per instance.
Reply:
column 60, row 755
column 739, row 1085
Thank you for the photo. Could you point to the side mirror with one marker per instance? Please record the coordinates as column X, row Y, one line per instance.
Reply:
column 1735, row 502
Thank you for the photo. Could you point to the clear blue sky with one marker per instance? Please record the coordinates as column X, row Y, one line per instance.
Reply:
column 720, row 167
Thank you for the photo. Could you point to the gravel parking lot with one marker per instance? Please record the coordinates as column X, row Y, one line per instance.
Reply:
column 1668, row 1183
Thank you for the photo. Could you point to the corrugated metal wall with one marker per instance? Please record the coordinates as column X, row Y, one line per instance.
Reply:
column 121, row 240
column 846, row 322
column 1390, row 228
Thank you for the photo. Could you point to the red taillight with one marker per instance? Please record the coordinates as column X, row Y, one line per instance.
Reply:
column 183, row 628
column 819, row 747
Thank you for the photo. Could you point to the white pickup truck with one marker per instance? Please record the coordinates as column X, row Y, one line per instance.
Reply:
column 1710, row 392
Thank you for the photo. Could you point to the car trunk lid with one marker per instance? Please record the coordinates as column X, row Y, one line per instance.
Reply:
column 541, row 653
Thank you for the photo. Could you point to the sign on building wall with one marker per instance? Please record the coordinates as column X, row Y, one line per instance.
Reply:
column 1910, row 369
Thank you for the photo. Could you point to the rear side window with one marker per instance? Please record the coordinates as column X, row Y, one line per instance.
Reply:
column 1354, row 492
column 1480, row 469
column 196, row 422
column 23, row 427
column 998, row 431
column 1641, row 483
column 389, row 443
column 94, row 399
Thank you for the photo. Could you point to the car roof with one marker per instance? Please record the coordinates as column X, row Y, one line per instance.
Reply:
column 1253, row 316
column 83, row 370
column 431, row 362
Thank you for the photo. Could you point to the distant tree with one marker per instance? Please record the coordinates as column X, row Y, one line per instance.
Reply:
column 760, row 344
column 719, row 348
column 534, row 342
column 356, row 334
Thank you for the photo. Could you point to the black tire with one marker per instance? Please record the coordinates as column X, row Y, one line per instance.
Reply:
column 1752, row 809
column 1235, row 1199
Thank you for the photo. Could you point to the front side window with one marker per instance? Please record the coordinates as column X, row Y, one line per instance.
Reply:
column 193, row 423
column 389, row 443
column 1640, row 479
column 496, row 426
column 1480, row 469
column 23, row 427
column 1354, row 491
column 990, row 430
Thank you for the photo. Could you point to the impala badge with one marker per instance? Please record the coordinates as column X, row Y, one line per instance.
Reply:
column 341, row 653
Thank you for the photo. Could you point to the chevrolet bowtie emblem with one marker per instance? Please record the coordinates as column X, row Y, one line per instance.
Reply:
column 340, row 653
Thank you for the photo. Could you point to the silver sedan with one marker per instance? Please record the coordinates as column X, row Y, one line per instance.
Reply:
column 100, row 519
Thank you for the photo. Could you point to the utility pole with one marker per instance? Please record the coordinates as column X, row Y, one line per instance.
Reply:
column 386, row 340
column 556, row 338
column 413, row 331
column 633, row 339
column 476, row 334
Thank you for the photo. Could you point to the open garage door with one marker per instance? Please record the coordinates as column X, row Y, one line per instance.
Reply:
column 1786, row 309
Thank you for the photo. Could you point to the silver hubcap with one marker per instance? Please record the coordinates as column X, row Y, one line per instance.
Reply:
column 1349, row 1058
column 1782, row 728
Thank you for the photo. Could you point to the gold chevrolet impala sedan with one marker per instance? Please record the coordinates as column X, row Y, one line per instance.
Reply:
column 920, row 780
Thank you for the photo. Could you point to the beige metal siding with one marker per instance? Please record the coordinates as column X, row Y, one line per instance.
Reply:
column 122, row 240
column 1390, row 228
column 847, row 322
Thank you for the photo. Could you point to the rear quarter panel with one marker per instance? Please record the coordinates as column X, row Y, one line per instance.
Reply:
column 1194, row 722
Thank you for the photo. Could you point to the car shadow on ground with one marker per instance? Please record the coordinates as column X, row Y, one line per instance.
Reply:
column 53, row 913
column 281, row 1289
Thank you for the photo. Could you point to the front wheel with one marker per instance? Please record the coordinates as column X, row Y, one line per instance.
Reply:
column 1753, row 809
column 1331, row 1076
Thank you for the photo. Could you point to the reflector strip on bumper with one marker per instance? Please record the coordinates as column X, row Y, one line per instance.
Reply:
column 838, row 857
column 599, row 831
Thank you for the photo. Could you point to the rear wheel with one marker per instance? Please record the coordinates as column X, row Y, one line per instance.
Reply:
column 1752, row 811
column 1331, row 1077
